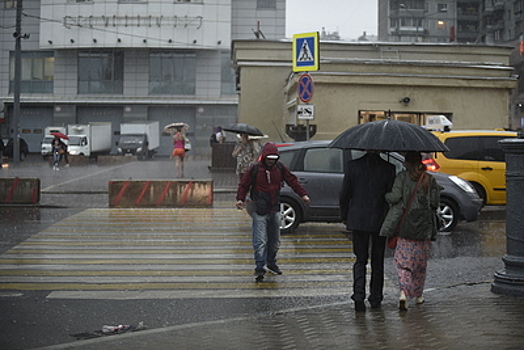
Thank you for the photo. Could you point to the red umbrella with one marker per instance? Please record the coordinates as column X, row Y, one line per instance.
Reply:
column 60, row 135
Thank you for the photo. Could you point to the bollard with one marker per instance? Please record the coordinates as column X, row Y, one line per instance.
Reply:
column 510, row 280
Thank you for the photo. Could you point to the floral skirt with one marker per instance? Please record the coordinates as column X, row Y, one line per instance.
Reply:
column 411, row 260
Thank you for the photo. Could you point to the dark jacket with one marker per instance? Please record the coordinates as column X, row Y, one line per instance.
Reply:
column 362, row 198
column 271, row 184
column 419, row 223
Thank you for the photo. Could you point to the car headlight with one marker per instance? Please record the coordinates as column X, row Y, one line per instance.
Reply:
column 119, row 150
column 139, row 149
column 463, row 184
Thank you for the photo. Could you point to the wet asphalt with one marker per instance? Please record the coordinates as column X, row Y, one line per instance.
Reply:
column 460, row 312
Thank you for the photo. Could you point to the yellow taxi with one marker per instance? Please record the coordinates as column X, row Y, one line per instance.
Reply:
column 475, row 156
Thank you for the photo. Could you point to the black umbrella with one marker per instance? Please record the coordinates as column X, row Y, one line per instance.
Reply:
column 389, row 135
column 242, row 128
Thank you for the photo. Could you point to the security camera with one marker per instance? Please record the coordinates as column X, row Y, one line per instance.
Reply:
column 406, row 100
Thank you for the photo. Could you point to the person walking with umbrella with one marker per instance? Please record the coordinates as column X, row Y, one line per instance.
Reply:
column 363, row 208
column 59, row 150
column 246, row 152
column 179, row 152
column 367, row 213
column 417, row 228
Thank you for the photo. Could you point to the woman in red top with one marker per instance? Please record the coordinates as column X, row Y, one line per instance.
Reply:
column 179, row 152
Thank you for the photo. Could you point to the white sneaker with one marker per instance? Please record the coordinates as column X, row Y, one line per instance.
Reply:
column 402, row 302
column 420, row 300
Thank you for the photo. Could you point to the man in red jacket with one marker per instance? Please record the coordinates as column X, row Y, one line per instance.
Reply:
column 265, row 187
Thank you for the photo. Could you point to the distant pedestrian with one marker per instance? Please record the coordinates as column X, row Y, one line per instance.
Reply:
column 265, row 180
column 246, row 152
column 418, row 228
column 58, row 151
column 363, row 209
column 179, row 152
column 218, row 136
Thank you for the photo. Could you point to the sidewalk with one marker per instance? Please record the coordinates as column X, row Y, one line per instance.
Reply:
column 464, row 317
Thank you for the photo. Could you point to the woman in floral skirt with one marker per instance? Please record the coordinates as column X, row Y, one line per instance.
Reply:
column 418, row 228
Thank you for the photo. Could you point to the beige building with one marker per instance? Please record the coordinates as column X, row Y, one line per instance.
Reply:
column 359, row 82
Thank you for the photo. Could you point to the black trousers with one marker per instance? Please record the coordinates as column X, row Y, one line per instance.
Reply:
column 361, row 248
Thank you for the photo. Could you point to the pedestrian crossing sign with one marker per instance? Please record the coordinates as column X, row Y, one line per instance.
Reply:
column 306, row 56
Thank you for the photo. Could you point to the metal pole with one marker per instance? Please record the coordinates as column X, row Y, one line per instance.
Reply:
column 15, row 120
column 510, row 280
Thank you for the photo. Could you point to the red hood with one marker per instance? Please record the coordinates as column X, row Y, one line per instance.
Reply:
column 269, row 149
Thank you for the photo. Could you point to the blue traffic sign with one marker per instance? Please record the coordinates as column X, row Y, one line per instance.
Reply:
column 305, row 88
column 306, row 52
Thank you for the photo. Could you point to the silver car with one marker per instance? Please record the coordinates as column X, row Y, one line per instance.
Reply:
column 320, row 170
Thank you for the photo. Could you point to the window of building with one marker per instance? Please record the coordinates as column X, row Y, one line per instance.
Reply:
column 227, row 75
column 9, row 4
column 266, row 4
column 442, row 7
column 172, row 72
column 100, row 72
column 37, row 74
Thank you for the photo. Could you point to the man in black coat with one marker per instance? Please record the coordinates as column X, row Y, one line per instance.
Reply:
column 363, row 208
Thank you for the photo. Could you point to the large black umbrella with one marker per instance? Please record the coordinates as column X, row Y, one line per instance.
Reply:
column 242, row 128
column 389, row 135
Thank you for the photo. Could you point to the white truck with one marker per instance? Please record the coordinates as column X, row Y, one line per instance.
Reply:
column 89, row 139
column 139, row 139
column 46, row 146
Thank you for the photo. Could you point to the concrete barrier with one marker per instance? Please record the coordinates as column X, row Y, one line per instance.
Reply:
column 161, row 193
column 19, row 190
column 113, row 160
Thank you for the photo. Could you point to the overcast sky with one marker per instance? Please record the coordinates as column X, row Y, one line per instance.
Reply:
column 349, row 17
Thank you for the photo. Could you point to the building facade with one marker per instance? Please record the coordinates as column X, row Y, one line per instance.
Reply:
column 435, row 21
column 484, row 22
column 360, row 82
column 128, row 61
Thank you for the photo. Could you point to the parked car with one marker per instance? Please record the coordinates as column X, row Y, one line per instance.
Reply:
column 476, row 157
column 8, row 148
column 320, row 171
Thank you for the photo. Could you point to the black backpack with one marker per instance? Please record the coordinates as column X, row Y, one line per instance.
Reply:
column 213, row 139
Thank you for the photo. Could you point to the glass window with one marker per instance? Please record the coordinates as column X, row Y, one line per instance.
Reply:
column 491, row 150
column 467, row 148
column 37, row 73
column 100, row 72
column 266, row 4
column 286, row 158
column 172, row 72
column 442, row 7
column 227, row 75
column 9, row 4
column 324, row 160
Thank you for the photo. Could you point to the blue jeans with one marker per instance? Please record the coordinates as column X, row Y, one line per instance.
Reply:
column 266, row 239
column 57, row 158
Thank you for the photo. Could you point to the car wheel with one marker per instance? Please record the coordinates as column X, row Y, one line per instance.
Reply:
column 450, row 213
column 290, row 215
column 480, row 191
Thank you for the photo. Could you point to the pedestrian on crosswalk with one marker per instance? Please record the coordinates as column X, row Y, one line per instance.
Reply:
column 265, row 179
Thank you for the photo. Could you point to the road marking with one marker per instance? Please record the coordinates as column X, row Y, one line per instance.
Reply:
column 171, row 253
